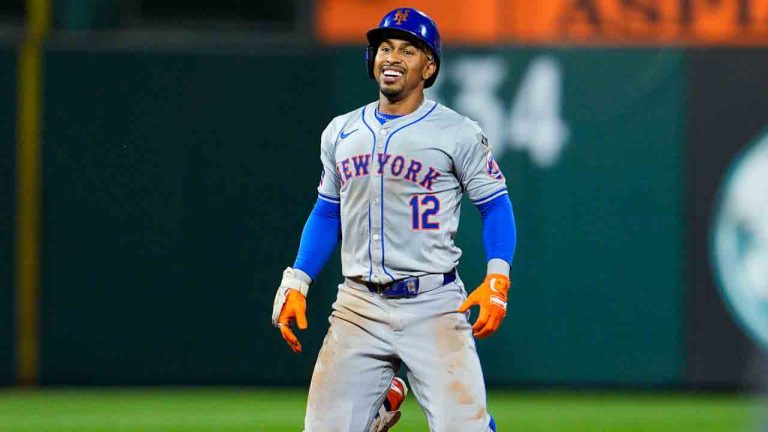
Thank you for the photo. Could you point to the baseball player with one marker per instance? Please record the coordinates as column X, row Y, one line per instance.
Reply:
column 394, row 172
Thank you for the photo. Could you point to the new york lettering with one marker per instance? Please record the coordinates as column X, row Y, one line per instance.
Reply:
column 410, row 170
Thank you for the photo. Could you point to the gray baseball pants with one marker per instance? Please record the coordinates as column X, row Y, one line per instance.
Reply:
column 371, row 335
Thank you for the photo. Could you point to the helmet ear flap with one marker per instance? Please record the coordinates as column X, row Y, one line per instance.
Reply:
column 370, row 55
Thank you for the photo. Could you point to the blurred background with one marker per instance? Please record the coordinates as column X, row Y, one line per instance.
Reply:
column 158, row 159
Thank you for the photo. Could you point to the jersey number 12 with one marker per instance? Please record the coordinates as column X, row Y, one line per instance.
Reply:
column 422, row 210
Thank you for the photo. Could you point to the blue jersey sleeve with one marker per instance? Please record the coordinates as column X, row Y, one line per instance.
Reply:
column 319, row 238
column 499, row 232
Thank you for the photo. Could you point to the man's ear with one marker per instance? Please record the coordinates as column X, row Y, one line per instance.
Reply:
column 429, row 70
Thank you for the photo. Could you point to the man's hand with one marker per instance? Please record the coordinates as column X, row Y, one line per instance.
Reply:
column 294, row 310
column 290, row 306
column 491, row 296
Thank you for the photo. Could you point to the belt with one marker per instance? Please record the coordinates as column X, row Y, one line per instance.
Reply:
column 408, row 287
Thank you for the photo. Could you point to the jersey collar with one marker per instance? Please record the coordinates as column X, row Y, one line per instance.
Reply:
column 370, row 115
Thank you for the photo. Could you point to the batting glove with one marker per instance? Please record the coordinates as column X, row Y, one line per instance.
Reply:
column 290, row 306
column 491, row 296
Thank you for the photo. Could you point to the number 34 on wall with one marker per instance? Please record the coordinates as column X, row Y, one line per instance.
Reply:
column 534, row 122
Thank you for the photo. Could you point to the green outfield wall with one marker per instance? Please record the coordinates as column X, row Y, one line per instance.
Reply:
column 176, row 186
column 7, row 194
column 598, row 275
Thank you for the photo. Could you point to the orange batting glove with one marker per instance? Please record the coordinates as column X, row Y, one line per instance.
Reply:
column 294, row 310
column 491, row 296
column 290, row 306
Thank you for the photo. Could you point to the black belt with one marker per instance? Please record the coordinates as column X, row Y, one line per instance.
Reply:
column 408, row 287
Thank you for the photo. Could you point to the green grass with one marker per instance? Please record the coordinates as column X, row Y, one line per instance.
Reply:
column 267, row 410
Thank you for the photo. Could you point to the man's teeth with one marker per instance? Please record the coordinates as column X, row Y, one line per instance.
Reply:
column 392, row 73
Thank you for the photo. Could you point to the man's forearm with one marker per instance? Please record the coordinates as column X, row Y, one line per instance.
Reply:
column 499, row 234
column 318, row 239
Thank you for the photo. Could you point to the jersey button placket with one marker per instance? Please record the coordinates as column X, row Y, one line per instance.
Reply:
column 374, row 197
column 375, row 231
column 383, row 132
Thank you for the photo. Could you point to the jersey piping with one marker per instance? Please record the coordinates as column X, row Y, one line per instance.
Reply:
column 373, row 151
column 487, row 198
column 334, row 200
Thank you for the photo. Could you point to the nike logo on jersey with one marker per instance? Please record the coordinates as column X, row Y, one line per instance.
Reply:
column 344, row 135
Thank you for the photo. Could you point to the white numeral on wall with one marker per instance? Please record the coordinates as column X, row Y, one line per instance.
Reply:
column 535, row 122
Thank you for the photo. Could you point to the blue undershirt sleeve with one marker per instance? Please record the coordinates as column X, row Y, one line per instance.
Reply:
column 499, row 232
column 319, row 238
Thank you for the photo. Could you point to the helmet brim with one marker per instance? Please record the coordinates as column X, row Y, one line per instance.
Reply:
column 378, row 35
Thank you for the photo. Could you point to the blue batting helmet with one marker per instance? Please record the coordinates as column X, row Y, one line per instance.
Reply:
column 408, row 23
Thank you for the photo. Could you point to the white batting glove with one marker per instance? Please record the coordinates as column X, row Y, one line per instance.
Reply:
column 290, row 281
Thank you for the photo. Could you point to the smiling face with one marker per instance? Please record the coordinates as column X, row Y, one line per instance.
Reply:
column 400, row 68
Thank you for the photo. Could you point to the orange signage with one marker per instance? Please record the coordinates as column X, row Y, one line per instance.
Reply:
column 346, row 21
column 586, row 22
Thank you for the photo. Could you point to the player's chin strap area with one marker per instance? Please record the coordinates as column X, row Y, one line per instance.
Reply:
column 290, row 282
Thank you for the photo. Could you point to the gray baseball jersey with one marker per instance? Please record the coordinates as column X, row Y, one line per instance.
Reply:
column 400, row 186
